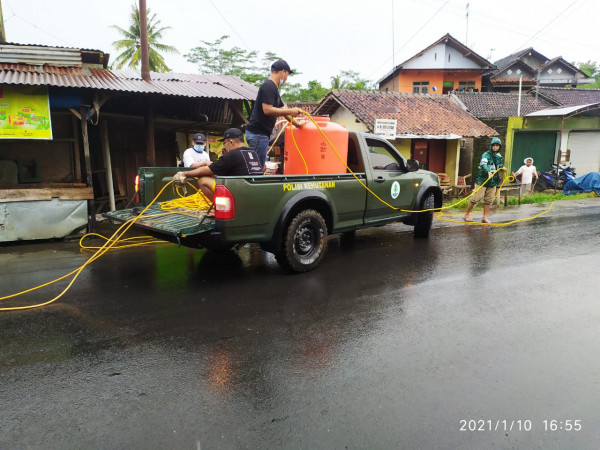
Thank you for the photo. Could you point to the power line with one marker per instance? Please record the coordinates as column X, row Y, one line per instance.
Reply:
column 230, row 26
column 411, row 38
column 42, row 30
column 33, row 25
column 545, row 26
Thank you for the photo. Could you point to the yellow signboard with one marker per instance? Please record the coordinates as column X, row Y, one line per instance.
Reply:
column 24, row 112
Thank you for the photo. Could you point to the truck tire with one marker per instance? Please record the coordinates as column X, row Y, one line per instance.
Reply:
column 304, row 243
column 423, row 220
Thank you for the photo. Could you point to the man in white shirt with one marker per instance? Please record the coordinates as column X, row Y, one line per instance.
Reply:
column 197, row 154
column 527, row 172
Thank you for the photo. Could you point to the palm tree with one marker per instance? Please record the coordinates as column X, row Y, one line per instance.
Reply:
column 130, row 44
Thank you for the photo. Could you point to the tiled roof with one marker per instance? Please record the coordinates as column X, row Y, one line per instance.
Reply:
column 525, row 81
column 417, row 114
column 186, row 85
column 569, row 96
column 503, row 63
column 309, row 107
column 282, row 122
column 561, row 60
column 488, row 105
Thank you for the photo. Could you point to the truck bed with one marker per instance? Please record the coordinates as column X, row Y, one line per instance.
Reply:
column 174, row 223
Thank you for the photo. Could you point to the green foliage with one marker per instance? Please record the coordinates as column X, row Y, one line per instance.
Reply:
column 536, row 197
column 592, row 70
column 214, row 58
column 313, row 93
column 348, row 79
column 130, row 44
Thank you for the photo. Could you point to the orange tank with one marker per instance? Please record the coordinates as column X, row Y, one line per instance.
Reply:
column 318, row 154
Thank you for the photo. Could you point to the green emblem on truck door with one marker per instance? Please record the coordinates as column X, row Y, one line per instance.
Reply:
column 395, row 190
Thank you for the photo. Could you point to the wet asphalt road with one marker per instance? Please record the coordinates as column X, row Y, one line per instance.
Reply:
column 390, row 343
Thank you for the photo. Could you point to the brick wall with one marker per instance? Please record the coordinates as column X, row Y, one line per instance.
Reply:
column 481, row 145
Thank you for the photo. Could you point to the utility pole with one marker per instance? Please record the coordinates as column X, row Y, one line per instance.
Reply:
column 144, row 41
column 2, row 31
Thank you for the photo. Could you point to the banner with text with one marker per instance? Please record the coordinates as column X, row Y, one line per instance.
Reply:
column 386, row 128
column 24, row 112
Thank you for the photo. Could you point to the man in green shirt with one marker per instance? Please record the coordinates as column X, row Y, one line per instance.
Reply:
column 489, row 163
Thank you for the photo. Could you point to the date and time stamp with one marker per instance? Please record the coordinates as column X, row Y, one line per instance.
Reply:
column 547, row 425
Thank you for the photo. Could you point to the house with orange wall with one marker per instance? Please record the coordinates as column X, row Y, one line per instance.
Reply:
column 446, row 65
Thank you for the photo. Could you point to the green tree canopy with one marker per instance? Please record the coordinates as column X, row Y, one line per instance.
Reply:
column 214, row 58
column 130, row 44
column 348, row 79
column 592, row 70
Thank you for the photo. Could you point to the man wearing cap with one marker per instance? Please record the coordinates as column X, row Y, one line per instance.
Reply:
column 236, row 160
column 197, row 154
column 267, row 108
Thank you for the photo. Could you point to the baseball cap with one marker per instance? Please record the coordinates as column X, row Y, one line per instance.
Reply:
column 199, row 137
column 280, row 64
column 232, row 133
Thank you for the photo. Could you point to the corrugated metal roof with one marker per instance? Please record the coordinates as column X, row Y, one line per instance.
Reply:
column 40, row 55
column 186, row 85
column 565, row 111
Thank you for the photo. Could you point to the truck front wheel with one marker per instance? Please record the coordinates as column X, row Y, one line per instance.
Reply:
column 424, row 219
column 304, row 244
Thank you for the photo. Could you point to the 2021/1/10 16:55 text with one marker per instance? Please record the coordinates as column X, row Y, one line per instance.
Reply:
column 495, row 425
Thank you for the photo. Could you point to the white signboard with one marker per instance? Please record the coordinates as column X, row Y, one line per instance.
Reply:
column 386, row 128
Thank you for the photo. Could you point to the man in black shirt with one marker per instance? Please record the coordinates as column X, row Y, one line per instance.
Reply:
column 267, row 108
column 236, row 160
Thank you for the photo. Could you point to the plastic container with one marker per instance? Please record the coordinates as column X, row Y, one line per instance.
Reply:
column 318, row 154
column 271, row 168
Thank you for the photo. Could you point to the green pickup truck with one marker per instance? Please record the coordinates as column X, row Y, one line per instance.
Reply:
column 291, row 215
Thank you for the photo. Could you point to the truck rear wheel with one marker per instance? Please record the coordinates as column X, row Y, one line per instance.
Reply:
column 304, row 243
column 423, row 220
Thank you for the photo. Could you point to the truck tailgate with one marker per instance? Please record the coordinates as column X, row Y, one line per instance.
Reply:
column 172, row 223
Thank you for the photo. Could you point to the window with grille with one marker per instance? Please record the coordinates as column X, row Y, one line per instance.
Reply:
column 420, row 87
column 466, row 86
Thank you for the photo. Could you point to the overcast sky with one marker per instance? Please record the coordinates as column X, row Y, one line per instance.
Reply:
column 321, row 38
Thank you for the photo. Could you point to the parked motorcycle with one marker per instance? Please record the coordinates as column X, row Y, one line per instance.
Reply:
column 556, row 178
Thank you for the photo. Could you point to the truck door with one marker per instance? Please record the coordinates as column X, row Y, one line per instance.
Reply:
column 390, row 180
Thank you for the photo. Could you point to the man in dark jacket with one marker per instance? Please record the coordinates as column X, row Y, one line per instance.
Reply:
column 236, row 160
column 489, row 163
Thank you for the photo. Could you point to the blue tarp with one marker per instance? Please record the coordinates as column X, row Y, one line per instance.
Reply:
column 586, row 183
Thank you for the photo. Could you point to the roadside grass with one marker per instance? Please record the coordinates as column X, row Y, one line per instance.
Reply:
column 538, row 197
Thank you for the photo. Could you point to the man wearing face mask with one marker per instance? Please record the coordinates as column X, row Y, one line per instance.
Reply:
column 267, row 108
column 197, row 154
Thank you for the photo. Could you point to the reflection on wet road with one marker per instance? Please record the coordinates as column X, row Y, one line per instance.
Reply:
column 388, row 344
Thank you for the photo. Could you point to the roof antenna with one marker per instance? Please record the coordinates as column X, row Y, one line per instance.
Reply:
column 467, row 33
column 393, row 50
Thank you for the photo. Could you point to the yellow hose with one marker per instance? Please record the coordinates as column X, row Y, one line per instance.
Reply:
column 430, row 209
column 110, row 242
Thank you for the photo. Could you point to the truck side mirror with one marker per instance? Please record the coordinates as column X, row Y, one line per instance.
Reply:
column 412, row 165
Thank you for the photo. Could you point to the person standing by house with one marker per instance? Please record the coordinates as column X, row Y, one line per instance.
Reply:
column 527, row 172
column 198, row 153
column 489, row 163
column 267, row 107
